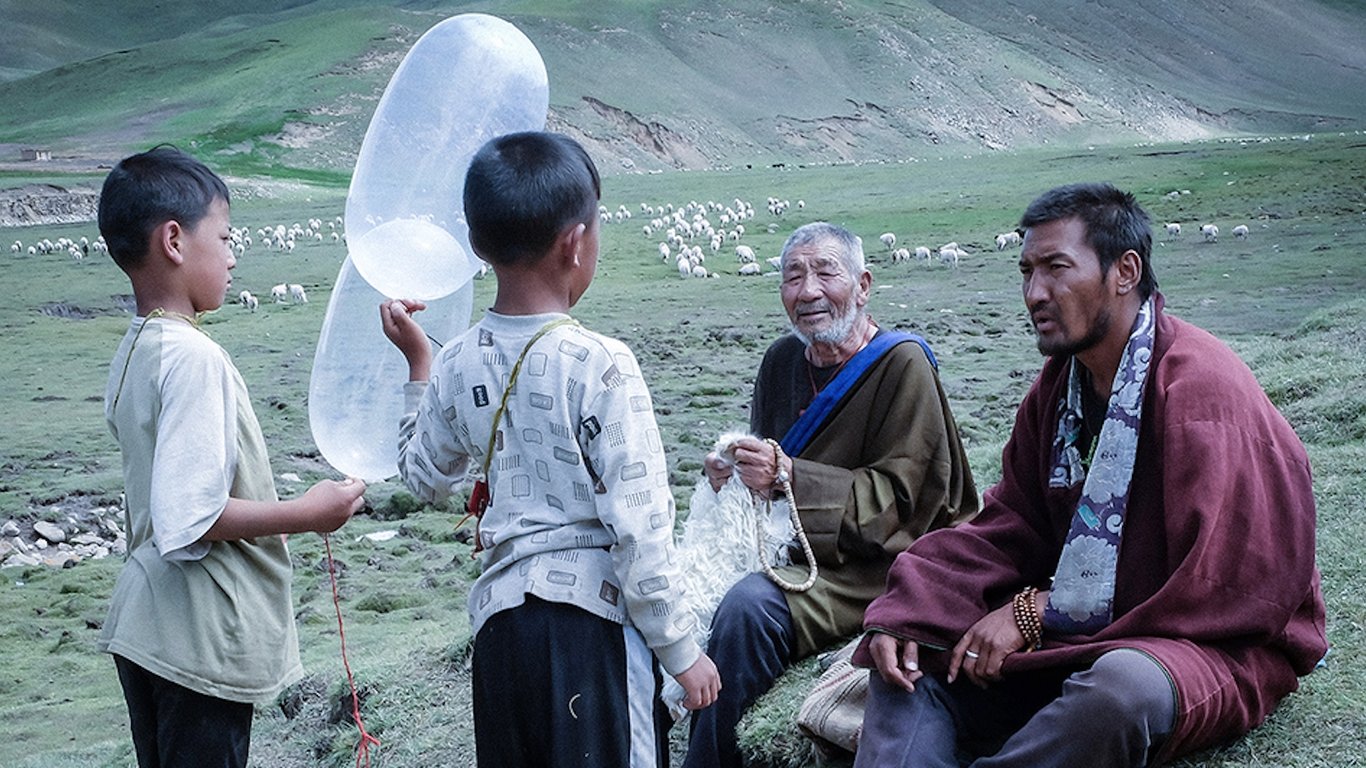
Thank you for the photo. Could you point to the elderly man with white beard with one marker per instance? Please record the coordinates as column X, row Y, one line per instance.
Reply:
column 853, row 416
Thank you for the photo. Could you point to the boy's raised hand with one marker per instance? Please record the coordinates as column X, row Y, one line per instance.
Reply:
column 701, row 683
column 396, row 317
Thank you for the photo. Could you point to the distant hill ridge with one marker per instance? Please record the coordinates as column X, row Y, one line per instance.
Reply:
column 272, row 87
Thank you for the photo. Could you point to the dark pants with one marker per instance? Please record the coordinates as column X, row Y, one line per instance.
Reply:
column 175, row 727
column 555, row 685
column 1118, row 713
column 751, row 643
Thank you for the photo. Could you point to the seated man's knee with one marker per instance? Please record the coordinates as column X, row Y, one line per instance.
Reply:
column 754, row 605
column 1129, row 684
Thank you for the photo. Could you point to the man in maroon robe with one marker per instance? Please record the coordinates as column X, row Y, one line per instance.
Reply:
column 1141, row 583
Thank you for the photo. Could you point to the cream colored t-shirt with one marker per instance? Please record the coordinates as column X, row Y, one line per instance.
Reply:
column 215, row 617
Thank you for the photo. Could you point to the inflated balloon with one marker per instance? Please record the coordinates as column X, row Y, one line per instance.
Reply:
column 468, row 79
column 355, row 393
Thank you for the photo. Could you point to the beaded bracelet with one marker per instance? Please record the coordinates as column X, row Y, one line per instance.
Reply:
column 1026, row 614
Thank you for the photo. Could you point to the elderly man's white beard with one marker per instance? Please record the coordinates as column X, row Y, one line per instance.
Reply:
column 841, row 325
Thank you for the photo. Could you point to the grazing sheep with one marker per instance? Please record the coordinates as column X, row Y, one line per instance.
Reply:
column 296, row 293
column 248, row 300
column 1240, row 232
column 888, row 239
column 750, row 269
column 901, row 254
column 949, row 255
column 1211, row 233
column 744, row 253
column 279, row 293
column 922, row 253
column 699, row 271
column 1007, row 239
column 1173, row 229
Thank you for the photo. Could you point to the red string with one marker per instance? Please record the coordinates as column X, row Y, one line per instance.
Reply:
column 363, row 748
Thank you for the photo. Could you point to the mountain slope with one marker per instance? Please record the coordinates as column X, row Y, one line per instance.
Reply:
column 648, row 84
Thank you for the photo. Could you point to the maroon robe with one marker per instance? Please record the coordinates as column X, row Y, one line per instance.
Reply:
column 1215, row 579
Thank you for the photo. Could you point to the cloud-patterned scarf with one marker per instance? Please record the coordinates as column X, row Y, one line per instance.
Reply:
column 1083, row 593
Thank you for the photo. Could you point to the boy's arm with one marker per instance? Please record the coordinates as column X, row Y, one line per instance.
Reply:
column 323, row 508
column 396, row 318
column 625, row 452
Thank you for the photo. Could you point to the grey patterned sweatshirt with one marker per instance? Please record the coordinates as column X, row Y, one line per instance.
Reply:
column 581, row 511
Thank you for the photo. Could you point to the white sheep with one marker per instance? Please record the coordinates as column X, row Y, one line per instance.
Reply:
column 745, row 254
column 1240, row 232
column 1007, row 239
column 296, row 293
column 699, row 271
column 248, row 300
column 664, row 251
column 922, row 253
column 750, row 268
column 901, row 254
column 279, row 293
column 684, row 267
column 1211, row 233
column 1173, row 229
column 950, row 256
column 888, row 239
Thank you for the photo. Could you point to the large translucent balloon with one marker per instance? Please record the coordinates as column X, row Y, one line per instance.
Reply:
column 468, row 79
column 355, row 393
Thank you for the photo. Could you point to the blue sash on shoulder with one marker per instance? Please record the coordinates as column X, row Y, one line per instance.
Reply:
column 813, row 418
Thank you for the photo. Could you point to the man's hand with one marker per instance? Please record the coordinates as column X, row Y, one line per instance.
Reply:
column 898, row 661
column 757, row 462
column 717, row 469
column 985, row 646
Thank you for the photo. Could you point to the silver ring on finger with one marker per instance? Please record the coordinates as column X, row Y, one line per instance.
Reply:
column 972, row 654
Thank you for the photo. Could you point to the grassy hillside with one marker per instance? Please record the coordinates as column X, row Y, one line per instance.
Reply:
column 288, row 87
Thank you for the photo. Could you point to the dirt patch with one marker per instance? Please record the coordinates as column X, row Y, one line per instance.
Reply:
column 119, row 304
column 46, row 204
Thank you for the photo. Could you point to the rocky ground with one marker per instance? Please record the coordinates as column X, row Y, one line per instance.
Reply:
column 46, row 204
column 75, row 529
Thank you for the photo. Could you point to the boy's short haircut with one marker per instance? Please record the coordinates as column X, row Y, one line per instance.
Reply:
column 523, row 189
column 148, row 189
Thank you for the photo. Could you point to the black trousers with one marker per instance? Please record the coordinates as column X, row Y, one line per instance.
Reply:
column 175, row 727
column 556, row 686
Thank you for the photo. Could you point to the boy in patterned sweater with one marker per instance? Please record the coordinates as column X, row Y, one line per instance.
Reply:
column 579, row 584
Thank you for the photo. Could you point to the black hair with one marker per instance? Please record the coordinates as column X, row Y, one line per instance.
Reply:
column 523, row 189
column 148, row 189
column 1114, row 222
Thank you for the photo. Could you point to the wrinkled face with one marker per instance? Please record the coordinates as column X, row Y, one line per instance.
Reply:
column 1068, row 299
column 822, row 299
column 209, row 258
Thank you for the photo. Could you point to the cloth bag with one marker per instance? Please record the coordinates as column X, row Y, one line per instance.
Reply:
column 831, row 715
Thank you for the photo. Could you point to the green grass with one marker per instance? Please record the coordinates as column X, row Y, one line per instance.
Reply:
column 1288, row 299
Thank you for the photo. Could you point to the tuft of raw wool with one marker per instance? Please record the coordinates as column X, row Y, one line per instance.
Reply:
column 719, row 545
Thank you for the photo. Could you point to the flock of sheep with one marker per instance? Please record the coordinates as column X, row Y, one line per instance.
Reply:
column 689, row 233
column 278, row 237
